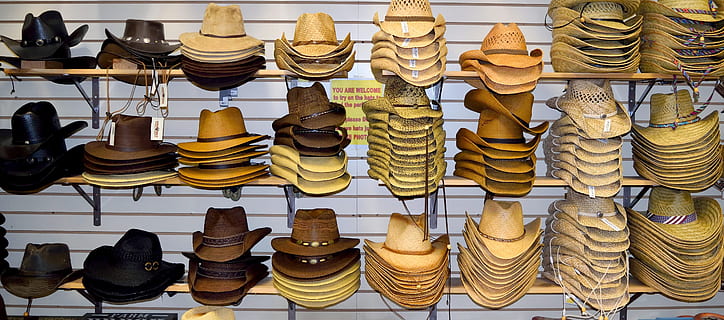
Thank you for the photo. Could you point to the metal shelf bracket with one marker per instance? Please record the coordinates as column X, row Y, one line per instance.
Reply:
column 93, row 101
column 291, row 193
column 94, row 202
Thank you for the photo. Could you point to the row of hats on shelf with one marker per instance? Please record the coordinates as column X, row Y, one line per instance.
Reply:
column 676, row 248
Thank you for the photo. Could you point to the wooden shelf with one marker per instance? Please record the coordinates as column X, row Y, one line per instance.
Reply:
column 463, row 75
column 545, row 181
column 112, row 72
column 176, row 181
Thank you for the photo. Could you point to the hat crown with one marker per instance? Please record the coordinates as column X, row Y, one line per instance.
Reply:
column 42, row 259
column 34, row 122
column 315, row 28
column 401, row 93
column 138, row 246
column 225, row 222
column 492, row 124
column 225, row 124
column 315, row 225
column 504, row 39
column 132, row 133
column 409, row 8
column 208, row 313
column 144, row 31
column 668, row 108
column 502, row 220
column 308, row 101
column 670, row 202
column 586, row 204
column 405, row 235
column 47, row 28
column 223, row 21
column 591, row 97
column 601, row 10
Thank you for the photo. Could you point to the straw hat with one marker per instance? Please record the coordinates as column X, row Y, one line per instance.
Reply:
column 312, row 164
column 596, row 14
column 314, row 267
column 436, row 35
column 420, row 78
column 310, row 108
column 408, row 18
column 501, row 226
column 504, row 46
column 630, row 7
column 414, row 53
column 516, row 107
column 219, row 130
column 697, row 10
column 127, row 180
column 313, row 68
column 599, row 212
column 314, row 233
column 208, row 313
column 222, row 29
column 315, row 36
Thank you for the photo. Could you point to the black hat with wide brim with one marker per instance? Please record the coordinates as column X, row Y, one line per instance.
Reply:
column 19, row 177
column 43, row 36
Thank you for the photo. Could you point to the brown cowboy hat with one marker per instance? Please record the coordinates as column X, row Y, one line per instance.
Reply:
column 130, row 140
column 314, row 233
column 226, row 235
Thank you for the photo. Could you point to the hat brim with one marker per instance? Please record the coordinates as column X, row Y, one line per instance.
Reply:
column 10, row 151
column 220, row 145
column 290, row 265
column 159, row 48
column 223, row 254
column 30, row 286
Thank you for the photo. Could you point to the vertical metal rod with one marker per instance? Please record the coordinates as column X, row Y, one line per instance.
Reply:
column 433, row 312
column 291, row 204
column 291, row 310
column 96, row 205
column 433, row 209
column 95, row 102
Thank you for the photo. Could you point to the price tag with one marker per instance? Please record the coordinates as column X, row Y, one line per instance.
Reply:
column 406, row 42
column 157, row 128
column 591, row 192
column 415, row 74
column 608, row 223
column 607, row 125
column 112, row 134
column 413, row 63
column 163, row 95
column 405, row 29
column 415, row 53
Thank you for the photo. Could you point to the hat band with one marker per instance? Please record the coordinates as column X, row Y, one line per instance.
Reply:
column 597, row 214
column 500, row 140
column 319, row 114
column 682, row 219
column 223, row 37
column 695, row 11
column 49, row 274
column 412, row 253
column 225, row 166
column 313, row 244
column 220, row 242
column 40, row 42
column 312, row 260
column 220, row 274
column 675, row 124
column 697, row 52
column 410, row 18
column 503, row 239
column 224, row 138
column 506, row 51
column 600, row 116
column 136, row 257
column 308, row 42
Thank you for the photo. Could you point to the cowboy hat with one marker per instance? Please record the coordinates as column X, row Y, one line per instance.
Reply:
column 309, row 107
column 312, row 187
column 696, row 10
column 128, row 180
column 219, row 130
column 504, row 46
column 44, row 36
column 208, row 313
column 408, row 18
column 221, row 29
column 130, row 140
column 314, row 267
column 315, row 37
column 43, row 269
column 144, row 37
column 314, row 233
column 226, row 235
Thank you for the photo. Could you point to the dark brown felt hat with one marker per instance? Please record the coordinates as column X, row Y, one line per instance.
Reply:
column 314, row 267
column 310, row 108
column 210, row 276
column 230, row 297
column 327, row 137
column 131, row 140
column 226, row 235
column 314, row 233
column 310, row 151
column 43, row 269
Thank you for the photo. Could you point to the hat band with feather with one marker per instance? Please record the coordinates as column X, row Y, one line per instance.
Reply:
column 681, row 219
column 221, row 242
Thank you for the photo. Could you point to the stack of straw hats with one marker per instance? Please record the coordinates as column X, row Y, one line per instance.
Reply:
column 584, row 145
column 407, row 267
column 584, row 251
column 682, row 37
column 221, row 55
column 503, row 62
column 315, row 267
column 315, row 52
column 221, row 267
column 497, row 156
column 129, row 157
column 410, row 43
column 678, row 149
column 406, row 140
column 501, row 261
column 677, row 245
column 309, row 142
column 595, row 36
column 221, row 155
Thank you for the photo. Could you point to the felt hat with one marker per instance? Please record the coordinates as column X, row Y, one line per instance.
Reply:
column 219, row 130
column 130, row 270
column 314, row 233
column 41, row 169
column 408, row 18
column 319, row 293
column 320, row 187
column 226, row 235
column 146, row 37
column 111, row 51
column 222, row 74
column 311, row 164
column 44, row 36
column 128, row 180
column 307, row 174
column 208, row 313
column 43, row 269
column 221, row 29
column 131, row 139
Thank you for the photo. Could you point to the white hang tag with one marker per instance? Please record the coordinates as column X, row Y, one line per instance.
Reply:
column 591, row 192
column 413, row 63
column 607, row 125
column 405, row 29
column 415, row 53
column 608, row 223
column 112, row 134
column 415, row 74
column 406, row 42
column 154, row 81
column 163, row 96
column 157, row 128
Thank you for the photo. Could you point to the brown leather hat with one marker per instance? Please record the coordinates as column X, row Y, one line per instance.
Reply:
column 43, row 269
column 314, row 233
column 226, row 235
column 130, row 140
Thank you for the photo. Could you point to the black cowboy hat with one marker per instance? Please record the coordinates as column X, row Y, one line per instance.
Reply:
column 43, row 36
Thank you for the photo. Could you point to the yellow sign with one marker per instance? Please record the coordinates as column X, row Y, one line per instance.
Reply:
column 352, row 94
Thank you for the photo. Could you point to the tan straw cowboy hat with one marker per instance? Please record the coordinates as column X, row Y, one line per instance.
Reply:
column 408, row 18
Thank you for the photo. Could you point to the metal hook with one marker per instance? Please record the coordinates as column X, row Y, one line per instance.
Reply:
column 137, row 193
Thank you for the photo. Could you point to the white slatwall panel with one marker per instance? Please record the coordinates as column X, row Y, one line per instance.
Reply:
column 59, row 215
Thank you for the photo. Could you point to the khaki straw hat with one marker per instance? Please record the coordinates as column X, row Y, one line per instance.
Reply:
column 417, row 64
column 408, row 18
column 420, row 78
column 436, row 35
column 596, row 14
column 606, row 47
column 315, row 36
column 504, row 46
column 697, row 10
column 504, row 234
column 599, row 212
column 586, row 31
column 313, row 68
column 222, row 29
column 658, row 20
column 415, row 53
column 630, row 7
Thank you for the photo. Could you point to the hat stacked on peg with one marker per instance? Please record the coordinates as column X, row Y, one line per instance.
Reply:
column 134, row 154
column 410, row 43
column 682, row 37
column 584, row 251
column 503, row 62
column 221, row 155
column 315, row 267
column 44, row 268
column 502, row 257
column 595, row 36
column 678, row 149
column 677, row 244
column 315, row 52
column 408, row 268
column 497, row 155
column 309, row 142
column 221, row 55
column 583, row 147
column 406, row 140
column 222, row 269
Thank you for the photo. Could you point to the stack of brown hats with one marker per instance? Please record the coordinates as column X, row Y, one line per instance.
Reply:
column 221, row 155
column 406, row 140
column 315, row 52
column 678, row 149
column 315, row 267
column 503, row 61
column 584, row 251
column 682, row 37
column 584, row 145
column 677, row 245
column 407, row 267
column 221, row 55
column 410, row 43
column 309, row 142
column 129, row 157
column 221, row 267
column 501, row 261
column 497, row 156
column 595, row 36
